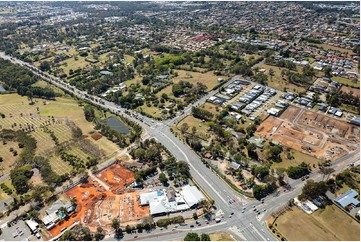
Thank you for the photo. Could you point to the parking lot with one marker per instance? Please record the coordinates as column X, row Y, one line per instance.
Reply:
column 17, row 232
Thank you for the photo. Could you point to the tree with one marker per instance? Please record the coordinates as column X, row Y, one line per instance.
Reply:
column 326, row 172
column 299, row 171
column 184, row 128
column 195, row 216
column 205, row 237
column 116, row 225
column 312, row 190
column 89, row 113
column 100, row 234
column 45, row 66
column 163, row 178
column 192, row 237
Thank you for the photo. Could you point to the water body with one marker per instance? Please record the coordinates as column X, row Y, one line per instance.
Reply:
column 117, row 125
column 2, row 89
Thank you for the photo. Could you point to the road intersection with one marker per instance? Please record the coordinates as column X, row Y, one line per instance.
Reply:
column 244, row 224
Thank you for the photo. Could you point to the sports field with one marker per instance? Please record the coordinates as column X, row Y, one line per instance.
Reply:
column 325, row 224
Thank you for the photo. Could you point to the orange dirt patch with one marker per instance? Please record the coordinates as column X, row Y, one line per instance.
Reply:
column 98, row 207
column 117, row 177
column 290, row 113
column 355, row 91
column 96, row 136
column 309, row 132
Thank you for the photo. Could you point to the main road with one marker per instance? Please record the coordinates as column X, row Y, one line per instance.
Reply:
column 245, row 223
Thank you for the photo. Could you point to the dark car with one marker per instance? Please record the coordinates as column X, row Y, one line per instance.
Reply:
column 192, row 226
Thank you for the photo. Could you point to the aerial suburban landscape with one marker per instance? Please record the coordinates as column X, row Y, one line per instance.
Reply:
column 180, row 121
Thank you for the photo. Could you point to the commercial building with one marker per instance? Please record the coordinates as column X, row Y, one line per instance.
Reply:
column 169, row 201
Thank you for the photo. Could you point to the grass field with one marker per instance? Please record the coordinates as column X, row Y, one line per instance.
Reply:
column 13, row 105
column 59, row 166
column 221, row 236
column 201, row 128
column 73, row 64
column 8, row 157
column 45, row 84
column 3, row 195
column 208, row 78
column 329, row 47
column 277, row 82
column 212, row 108
column 299, row 157
column 325, row 224
column 346, row 81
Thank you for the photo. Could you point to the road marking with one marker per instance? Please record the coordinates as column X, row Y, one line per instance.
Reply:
column 195, row 168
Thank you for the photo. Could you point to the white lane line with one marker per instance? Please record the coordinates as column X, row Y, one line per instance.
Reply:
column 195, row 168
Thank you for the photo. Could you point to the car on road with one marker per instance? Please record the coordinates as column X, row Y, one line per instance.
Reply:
column 232, row 213
column 135, row 236
column 192, row 226
column 207, row 222
column 199, row 224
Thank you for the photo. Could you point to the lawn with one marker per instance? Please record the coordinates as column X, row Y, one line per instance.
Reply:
column 299, row 157
column 208, row 78
column 212, row 108
column 3, row 195
column 73, row 64
column 59, row 166
column 325, row 224
column 8, row 157
column 62, row 107
column 277, row 81
column 201, row 128
column 45, row 84
column 345, row 81
column 329, row 47
column 221, row 236
column 67, row 108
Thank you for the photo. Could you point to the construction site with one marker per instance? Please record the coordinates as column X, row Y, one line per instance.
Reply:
column 316, row 134
column 103, row 197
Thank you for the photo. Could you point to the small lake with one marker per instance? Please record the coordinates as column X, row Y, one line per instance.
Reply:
column 117, row 125
column 2, row 89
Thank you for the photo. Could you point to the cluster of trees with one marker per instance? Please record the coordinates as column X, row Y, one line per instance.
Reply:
column 73, row 160
column 20, row 177
column 77, row 233
column 338, row 98
column 312, row 190
column 273, row 153
column 28, row 144
column 46, row 172
column 149, row 151
column 15, row 77
column 202, row 113
column 164, row 222
column 178, row 171
column 260, row 171
column 190, row 91
column 299, row 171
column 281, row 63
column 261, row 191
column 196, row 237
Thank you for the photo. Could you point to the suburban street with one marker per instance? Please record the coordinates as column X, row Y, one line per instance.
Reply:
column 244, row 226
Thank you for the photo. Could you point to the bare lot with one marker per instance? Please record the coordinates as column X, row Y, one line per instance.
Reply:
column 311, row 133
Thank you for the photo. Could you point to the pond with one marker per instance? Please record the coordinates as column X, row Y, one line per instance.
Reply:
column 117, row 125
column 2, row 89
